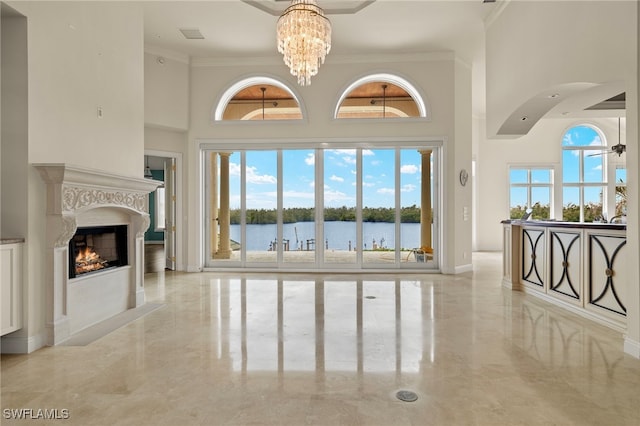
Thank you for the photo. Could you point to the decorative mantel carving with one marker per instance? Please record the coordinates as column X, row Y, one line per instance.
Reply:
column 75, row 195
column 77, row 198
column 80, row 188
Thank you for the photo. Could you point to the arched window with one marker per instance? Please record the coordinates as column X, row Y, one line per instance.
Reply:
column 258, row 98
column 583, row 174
column 380, row 96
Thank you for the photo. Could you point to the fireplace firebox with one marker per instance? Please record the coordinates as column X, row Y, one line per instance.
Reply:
column 97, row 248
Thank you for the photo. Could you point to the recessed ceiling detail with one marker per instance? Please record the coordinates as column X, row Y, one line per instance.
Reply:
column 330, row 7
column 615, row 102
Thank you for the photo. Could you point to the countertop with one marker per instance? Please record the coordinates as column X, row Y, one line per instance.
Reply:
column 560, row 224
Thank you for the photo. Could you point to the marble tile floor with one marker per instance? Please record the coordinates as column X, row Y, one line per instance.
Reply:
column 334, row 349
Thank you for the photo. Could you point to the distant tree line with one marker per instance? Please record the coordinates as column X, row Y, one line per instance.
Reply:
column 331, row 214
column 570, row 212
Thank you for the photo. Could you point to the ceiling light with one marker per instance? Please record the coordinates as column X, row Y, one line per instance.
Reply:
column 304, row 39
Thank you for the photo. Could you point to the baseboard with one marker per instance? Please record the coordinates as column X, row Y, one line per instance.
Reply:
column 21, row 344
column 631, row 347
column 460, row 269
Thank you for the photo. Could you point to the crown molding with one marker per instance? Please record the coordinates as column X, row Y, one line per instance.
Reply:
column 332, row 59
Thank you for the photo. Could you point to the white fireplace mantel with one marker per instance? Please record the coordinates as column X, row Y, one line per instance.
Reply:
column 78, row 195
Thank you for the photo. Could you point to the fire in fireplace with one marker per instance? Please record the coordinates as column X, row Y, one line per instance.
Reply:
column 97, row 248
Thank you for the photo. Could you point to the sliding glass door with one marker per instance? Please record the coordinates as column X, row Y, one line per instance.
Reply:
column 323, row 208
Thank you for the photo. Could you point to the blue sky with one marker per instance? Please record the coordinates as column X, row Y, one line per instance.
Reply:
column 578, row 136
column 339, row 178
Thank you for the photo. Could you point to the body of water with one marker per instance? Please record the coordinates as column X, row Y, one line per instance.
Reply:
column 337, row 235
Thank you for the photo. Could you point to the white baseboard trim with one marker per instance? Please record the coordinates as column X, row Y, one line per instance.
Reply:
column 631, row 347
column 460, row 269
column 21, row 344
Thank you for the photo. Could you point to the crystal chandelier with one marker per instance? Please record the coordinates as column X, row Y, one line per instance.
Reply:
column 304, row 38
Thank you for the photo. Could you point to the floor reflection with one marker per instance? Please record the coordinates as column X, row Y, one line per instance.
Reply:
column 331, row 349
column 321, row 325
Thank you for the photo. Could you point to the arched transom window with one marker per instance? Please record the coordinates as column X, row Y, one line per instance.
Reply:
column 258, row 99
column 380, row 96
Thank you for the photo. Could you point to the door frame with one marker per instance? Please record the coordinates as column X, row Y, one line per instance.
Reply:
column 178, row 245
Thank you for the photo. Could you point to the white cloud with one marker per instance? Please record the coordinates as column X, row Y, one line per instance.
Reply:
column 333, row 196
column 409, row 169
column 598, row 167
column 310, row 160
column 336, row 178
column 367, row 152
column 368, row 184
column 253, row 177
column 408, row 188
column 386, row 191
column 349, row 160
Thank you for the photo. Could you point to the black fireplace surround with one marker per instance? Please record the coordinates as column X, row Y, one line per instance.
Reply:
column 109, row 243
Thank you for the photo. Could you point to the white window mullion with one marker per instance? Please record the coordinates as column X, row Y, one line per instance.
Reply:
column 398, row 207
column 243, row 207
column 319, row 202
column 280, row 207
column 359, row 238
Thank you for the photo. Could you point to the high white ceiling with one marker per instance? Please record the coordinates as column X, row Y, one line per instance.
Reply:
column 234, row 28
column 237, row 29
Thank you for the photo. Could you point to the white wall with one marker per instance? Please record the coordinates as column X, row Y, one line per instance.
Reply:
column 84, row 56
column 440, row 78
column 166, row 90
column 81, row 56
column 533, row 46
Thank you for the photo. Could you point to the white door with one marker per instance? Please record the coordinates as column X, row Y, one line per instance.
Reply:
column 170, row 212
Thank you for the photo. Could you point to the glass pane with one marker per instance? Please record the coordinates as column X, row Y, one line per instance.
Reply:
column 340, row 205
column 411, row 203
column 570, row 166
column 262, row 206
column 621, row 191
column 571, row 204
column 593, row 167
column 581, row 136
column 518, row 204
column 378, row 201
column 540, row 176
column 518, row 176
column 540, row 202
column 298, row 198
column 593, row 197
column 379, row 99
column 250, row 104
column 224, row 243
